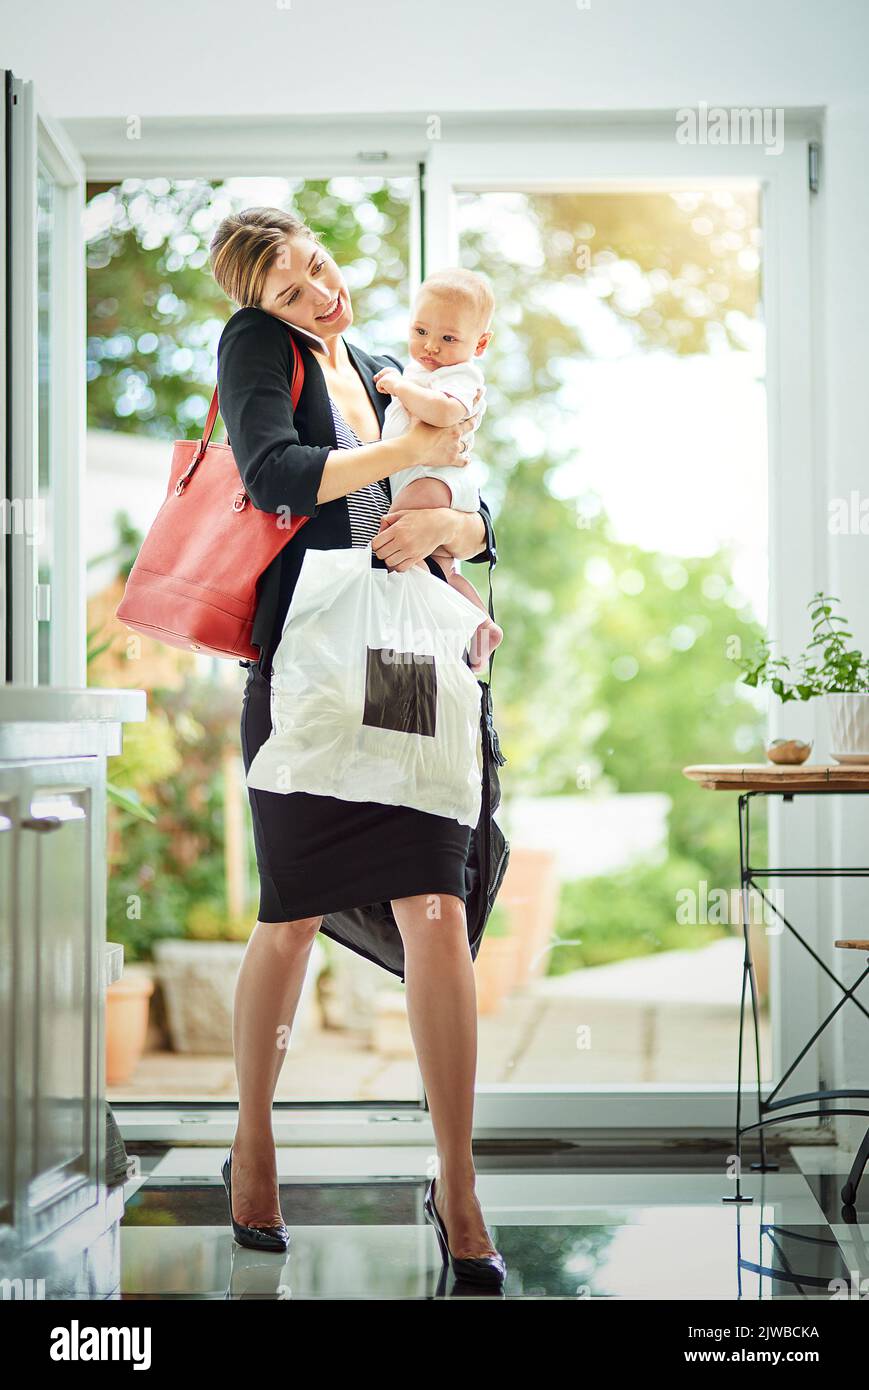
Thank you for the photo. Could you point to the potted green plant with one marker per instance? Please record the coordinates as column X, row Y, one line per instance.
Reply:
column 829, row 668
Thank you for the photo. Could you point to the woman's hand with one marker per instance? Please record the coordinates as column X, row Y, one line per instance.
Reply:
column 441, row 446
column 436, row 446
column 406, row 537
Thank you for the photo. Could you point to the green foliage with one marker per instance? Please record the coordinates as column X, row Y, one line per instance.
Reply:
column 678, row 270
column 499, row 923
column 207, row 921
column 155, row 313
column 840, row 671
column 628, row 914
column 167, row 876
column 126, row 798
column 614, row 673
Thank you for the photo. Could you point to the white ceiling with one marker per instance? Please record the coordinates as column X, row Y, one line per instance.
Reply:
column 244, row 57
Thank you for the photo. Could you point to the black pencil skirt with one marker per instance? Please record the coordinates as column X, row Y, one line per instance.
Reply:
column 318, row 854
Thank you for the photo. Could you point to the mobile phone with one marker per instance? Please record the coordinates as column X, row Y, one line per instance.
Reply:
column 310, row 338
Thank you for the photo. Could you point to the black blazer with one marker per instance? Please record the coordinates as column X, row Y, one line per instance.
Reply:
column 281, row 452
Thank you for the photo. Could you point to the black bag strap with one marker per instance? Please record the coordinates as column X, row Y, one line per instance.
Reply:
column 268, row 601
column 492, row 616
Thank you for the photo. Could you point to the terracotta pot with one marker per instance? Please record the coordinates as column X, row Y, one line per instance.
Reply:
column 530, row 894
column 127, row 1003
column 495, row 969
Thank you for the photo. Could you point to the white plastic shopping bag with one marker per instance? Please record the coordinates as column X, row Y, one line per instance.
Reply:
column 371, row 697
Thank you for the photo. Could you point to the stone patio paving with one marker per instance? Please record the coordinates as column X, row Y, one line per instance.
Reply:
column 671, row 1017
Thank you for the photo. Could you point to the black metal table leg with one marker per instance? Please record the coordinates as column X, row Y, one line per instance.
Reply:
column 747, row 969
column 849, row 1191
column 765, row 1165
column 772, row 1111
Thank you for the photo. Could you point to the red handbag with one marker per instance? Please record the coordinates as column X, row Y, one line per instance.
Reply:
column 195, row 580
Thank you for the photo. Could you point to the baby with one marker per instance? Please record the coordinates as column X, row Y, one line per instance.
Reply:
column 449, row 329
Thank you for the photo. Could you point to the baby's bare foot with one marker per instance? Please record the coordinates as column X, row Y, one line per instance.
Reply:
column 485, row 640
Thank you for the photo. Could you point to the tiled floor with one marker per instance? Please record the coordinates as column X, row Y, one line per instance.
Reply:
column 587, row 1223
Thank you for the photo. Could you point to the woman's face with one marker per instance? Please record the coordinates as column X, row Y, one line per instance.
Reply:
column 304, row 287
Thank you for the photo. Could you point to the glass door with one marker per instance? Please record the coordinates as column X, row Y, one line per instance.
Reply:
column 651, row 340
column 182, row 882
column 651, row 321
column 45, row 598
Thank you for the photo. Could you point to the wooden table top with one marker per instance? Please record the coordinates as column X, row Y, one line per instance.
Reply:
column 763, row 777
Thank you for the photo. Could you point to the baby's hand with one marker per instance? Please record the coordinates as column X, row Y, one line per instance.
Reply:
column 386, row 380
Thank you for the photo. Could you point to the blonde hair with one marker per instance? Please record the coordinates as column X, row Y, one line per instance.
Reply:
column 468, row 287
column 245, row 246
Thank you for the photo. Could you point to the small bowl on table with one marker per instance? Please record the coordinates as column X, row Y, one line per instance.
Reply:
column 788, row 752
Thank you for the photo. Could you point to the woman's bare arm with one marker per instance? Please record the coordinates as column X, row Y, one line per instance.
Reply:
column 347, row 469
column 277, row 470
column 466, row 534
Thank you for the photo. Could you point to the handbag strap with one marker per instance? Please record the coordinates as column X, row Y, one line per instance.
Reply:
column 297, row 381
column 492, row 616
column 499, row 757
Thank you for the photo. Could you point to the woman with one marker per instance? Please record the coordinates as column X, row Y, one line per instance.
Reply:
column 317, row 854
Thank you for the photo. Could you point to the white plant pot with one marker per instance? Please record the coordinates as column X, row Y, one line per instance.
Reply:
column 849, row 727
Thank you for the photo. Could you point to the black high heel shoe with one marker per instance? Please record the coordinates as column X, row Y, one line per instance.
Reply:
column 253, row 1237
column 482, row 1269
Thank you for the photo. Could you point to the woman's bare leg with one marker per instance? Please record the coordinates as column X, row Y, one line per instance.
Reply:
column 442, row 1011
column 267, row 994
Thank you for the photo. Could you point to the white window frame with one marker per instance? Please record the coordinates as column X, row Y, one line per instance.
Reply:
column 652, row 160
column 36, row 138
column 567, row 151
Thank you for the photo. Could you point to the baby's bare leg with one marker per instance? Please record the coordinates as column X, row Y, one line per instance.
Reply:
column 488, row 635
column 427, row 492
column 433, row 492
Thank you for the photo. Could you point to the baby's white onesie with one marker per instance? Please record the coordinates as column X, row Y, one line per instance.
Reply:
column 462, row 381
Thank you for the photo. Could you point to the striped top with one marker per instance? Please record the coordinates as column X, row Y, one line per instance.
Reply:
column 367, row 504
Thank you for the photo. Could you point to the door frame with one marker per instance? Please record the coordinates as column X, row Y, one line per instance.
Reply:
column 565, row 150
column 634, row 160
column 34, row 138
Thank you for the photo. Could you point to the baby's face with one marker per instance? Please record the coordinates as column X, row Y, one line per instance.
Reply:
column 443, row 331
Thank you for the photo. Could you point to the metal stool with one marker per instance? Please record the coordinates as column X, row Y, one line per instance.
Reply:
column 849, row 1191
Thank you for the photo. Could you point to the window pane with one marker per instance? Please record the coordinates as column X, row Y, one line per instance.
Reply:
column 155, row 316
column 45, row 240
column 625, row 442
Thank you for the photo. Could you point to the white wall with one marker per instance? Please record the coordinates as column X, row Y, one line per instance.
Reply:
column 843, row 438
column 174, row 57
